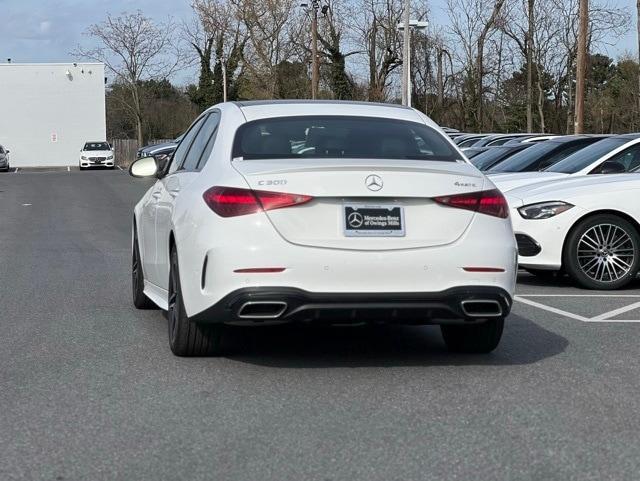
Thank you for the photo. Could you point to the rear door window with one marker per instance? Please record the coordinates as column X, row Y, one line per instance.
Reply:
column 183, row 148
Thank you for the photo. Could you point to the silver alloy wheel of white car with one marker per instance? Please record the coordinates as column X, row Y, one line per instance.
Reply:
column 606, row 253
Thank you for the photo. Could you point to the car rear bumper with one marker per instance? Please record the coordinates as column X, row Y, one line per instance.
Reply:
column 284, row 304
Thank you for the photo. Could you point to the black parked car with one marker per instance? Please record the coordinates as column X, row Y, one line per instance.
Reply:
column 484, row 158
column 152, row 150
column 545, row 154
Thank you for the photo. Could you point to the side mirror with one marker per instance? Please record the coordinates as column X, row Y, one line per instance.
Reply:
column 610, row 167
column 7, row 151
column 144, row 167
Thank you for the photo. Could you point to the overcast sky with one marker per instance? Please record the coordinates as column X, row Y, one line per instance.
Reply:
column 47, row 30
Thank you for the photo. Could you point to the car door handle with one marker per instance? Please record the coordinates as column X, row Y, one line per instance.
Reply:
column 174, row 192
column 156, row 195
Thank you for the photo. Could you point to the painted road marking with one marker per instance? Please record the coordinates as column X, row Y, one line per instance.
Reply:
column 580, row 295
column 606, row 317
column 120, row 167
column 554, row 310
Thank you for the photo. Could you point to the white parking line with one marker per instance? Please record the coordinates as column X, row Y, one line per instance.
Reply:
column 17, row 169
column 544, row 307
column 68, row 169
column 606, row 317
column 120, row 167
column 616, row 312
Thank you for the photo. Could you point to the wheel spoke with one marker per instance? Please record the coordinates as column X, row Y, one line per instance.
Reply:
column 589, row 242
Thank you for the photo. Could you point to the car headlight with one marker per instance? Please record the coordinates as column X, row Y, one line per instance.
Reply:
column 110, row 157
column 544, row 210
column 83, row 157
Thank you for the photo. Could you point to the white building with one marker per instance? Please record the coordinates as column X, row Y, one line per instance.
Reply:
column 48, row 111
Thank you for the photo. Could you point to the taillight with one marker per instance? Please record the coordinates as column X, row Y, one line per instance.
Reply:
column 232, row 201
column 490, row 202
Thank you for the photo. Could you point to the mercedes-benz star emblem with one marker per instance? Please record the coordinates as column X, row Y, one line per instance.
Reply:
column 374, row 182
column 355, row 220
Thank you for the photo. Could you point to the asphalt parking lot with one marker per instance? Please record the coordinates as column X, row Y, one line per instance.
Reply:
column 89, row 389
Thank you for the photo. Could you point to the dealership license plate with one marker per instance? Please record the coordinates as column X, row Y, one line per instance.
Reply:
column 373, row 221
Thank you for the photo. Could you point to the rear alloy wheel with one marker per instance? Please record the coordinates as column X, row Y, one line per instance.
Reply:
column 479, row 338
column 602, row 252
column 140, row 300
column 187, row 338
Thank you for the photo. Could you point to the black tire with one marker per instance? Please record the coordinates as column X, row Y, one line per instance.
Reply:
column 140, row 300
column 187, row 338
column 474, row 338
column 605, row 261
column 542, row 273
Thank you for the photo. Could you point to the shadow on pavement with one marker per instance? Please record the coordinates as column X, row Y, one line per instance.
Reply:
column 529, row 280
column 295, row 346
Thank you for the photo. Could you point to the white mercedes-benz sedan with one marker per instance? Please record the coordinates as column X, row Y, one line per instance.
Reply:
column 96, row 154
column 586, row 226
column 321, row 212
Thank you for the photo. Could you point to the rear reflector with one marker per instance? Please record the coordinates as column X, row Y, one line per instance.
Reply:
column 490, row 202
column 260, row 270
column 232, row 201
column 483, row 269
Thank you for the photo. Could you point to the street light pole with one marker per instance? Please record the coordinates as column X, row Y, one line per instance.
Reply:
column 406, row 52
column 224, row 79
column 314, row 49
column 581, row 66
column 406, row 58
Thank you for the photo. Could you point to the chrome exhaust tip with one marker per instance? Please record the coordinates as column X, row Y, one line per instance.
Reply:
column 481, row 308
column 262, row 310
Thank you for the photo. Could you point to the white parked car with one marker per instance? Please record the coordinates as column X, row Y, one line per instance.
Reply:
column 96, row 154
column 4, row 159
column 587, row 226
column 322, row 212
column 613, row 155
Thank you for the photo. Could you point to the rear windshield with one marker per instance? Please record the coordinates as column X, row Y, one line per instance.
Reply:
column 340, row 137
column 587, row 156
column 96, row 146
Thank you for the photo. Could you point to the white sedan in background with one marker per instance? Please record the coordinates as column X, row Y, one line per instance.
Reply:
column 328, row 212
column 96, row 154
column 613, row 155
column 586, row 226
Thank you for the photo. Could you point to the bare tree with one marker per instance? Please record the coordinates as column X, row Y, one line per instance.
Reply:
column 218, row 38
column 377, row 29
column 134, row 48
column 472, row 23
column 273, row 28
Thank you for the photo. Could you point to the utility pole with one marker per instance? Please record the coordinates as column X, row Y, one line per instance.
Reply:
column 406, row 52
column 530, row 68
column 315, row 73
column 581, row 66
